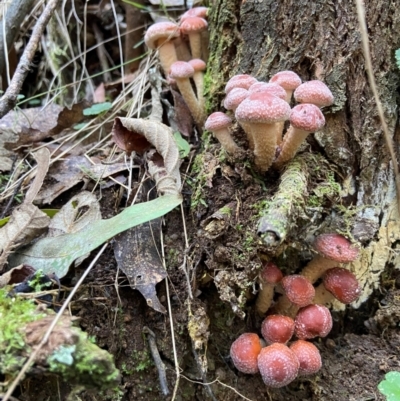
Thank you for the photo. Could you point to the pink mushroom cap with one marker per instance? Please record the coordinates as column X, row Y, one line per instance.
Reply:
column 343, row 284
column 195, row 12
column 289, row 80
column 307, row 117
column 244, row 353
column 160, row 30
column 270, row 273
column 272, row 88
column 277, row 329
column 235, row 97
column 278, row 365
column 198, row 64
column 313, row 321
column 315, row 92
column 240, row 81
column 193, row 24
column 298, row 289
column 217, row 121
column 180, row 70
column 308, row 356
column 336, row 247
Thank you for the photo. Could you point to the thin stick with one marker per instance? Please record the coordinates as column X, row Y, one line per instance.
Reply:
column 372, row 83
column 33, row 355
column 9, row 99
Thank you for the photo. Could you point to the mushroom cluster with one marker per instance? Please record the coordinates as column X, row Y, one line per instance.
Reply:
column 261, row 109
column 301, row 312
column 183, row 53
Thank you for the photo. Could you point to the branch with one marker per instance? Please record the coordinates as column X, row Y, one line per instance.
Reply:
column 9, row 99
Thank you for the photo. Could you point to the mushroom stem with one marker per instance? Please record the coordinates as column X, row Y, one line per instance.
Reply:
column 264, row 298
column 195, row 44
column 182, row 50
column 323, row 296
column 189, row 96
column 198, row 79
column 264, row 137
column 225, row 139
column 285, row 307
column 167, row 55
column 316, row 268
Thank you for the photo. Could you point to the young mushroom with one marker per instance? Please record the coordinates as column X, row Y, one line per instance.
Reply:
column 332, row 249
column 304, row 119
column 193, row 26
column 277, row 329
column 240, row 81
column 312, row 321
column 199, row 66
column 159, row 36
column 234, row 98
column 308, row 355
column 244, row 353
column 218, row 123
column 260, row 112
column 289, row 81
column 315, row 92
column 270, row 275
column 278, row 365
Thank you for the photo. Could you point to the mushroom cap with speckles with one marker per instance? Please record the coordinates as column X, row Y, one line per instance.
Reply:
column 181, row 69
column 217, row 121
column 160, row 30
column 298, row 289
column 271, row 88
column 262, row 108
column 195, row 12
column 235, row 97
column 308, row 356
column 193, row 24
column 240, row 81
column 343, row 284
column 270, row 273
column 198, row 64
column 277, row 329
column 244, row 353
column 315, row 92
column 312, row 321
column 278, row 365
column 289, row 80
column 336, row 247
column 307, row 117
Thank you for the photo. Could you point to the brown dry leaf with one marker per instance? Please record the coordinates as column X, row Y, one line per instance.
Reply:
column 128, row 140
column 16, row 275
column 183, row 119
column 161, row 137
column 137, row 256
column 27, row 221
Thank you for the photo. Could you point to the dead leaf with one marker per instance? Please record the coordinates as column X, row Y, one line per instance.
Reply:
column 42, row 157
column 127, row 140
column 16, row 275
column 183, row 117
column 136, row 252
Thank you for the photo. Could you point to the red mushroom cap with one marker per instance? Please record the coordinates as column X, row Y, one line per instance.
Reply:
column 264, row 108
column 277, row 329
column 181, row 69
column 270, row 273
column 278, row 365
column 160, row 30
column 193, row 24
column 307, row 117
column 217, row 121
column 197, row 64
column 240, row 81
column 308, row 356
column 315, row 92
column 235, row 97
column 271, row 88
column 244, row 353
column 313, row 321
column 195, row 12
column 298, row 289
column 335, row 247
column 289, row 80
column 343, row 284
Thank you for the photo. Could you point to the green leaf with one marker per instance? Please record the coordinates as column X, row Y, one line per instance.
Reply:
column 97, row 108
column 397, row 54
column 390, row 387
column 183, row 145
column 55, row 255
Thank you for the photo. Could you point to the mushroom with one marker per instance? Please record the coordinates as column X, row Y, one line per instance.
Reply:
column 278, row 365
column 199, row 66
column 332, row 249
column 271, row 88
column 182, row 71
column 193, row 26
column 270, row 276
column 244, row 353
column 289, row 81
column 218, row 123
column 299, row 292
column 159, row 36
column 240, row 81
column 315, row 92
column 308, row 355
column 260, row 112
column 277, row 329
column 312, row 321
column 304, row 119
column 234, row 98
column 341, row 284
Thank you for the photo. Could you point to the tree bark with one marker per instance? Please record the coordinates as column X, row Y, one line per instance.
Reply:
column 321, row 40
